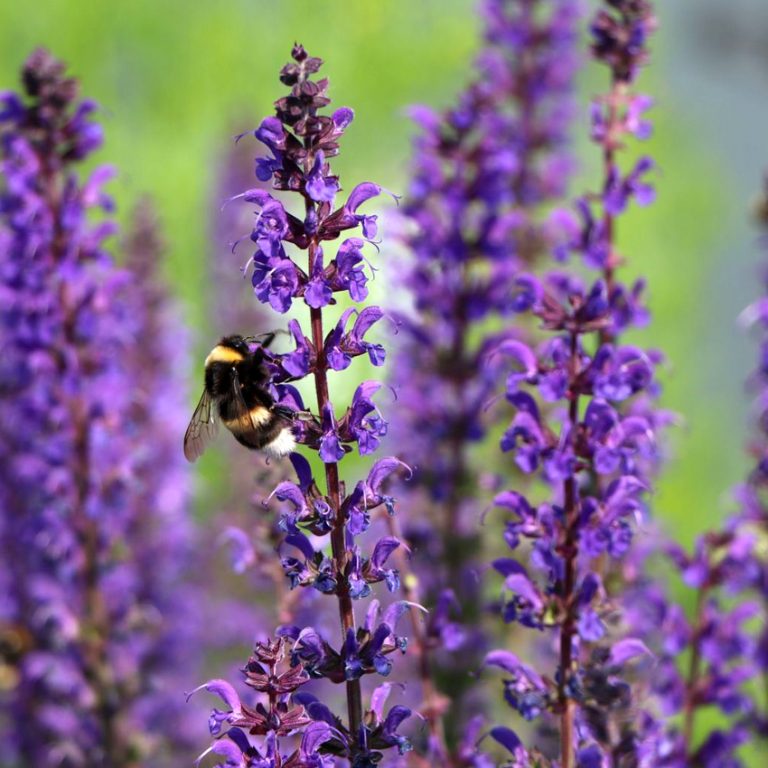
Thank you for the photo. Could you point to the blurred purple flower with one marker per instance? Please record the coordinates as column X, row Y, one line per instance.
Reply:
column 483, row 172
column 92, row 490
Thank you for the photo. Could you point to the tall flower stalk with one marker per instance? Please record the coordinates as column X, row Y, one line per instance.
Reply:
column 483, row 172
column 590, row 433
column 716, row 657
column 290, row 264
column 91, row 528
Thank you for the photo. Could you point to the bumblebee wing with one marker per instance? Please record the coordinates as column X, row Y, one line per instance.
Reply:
column 202, row 428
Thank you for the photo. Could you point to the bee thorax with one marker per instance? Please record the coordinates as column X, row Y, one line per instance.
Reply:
column 222, row 354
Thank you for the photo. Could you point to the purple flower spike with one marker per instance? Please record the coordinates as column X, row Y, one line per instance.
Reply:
column 317, row 532
column 98, row 628
column 483, row 172
column 583, row 425
column 725, row 636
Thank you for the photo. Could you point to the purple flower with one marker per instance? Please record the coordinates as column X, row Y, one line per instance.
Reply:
column 350, row 274
column 318, row 292
column 94, row 497
column 582, row 425
column 479, row 171
column 341, row 346
column 364, row 423
column 321, row 188
column 331, row 449
column 302, row 140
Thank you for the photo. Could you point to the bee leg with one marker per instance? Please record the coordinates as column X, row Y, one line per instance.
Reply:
column 266, row 339
column 284, row 411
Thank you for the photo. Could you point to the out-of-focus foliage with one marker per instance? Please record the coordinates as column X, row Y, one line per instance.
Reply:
column 176, row 79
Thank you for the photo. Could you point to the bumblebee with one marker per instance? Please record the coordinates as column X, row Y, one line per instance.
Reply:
column 236, row 394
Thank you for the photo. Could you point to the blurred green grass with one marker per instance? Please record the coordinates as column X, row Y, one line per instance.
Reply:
column 176, row 79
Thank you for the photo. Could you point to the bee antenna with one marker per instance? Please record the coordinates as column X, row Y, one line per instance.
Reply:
column 266, row 339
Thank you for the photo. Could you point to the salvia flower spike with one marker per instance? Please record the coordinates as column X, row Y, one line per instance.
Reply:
column 295, row 263
column 482, row 173
column 90, row 381
column 583, row 425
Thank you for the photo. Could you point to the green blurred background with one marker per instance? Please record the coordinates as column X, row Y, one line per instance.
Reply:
column 177, row 79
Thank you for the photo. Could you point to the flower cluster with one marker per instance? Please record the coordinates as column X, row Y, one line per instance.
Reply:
column 300, row 141
column 702, row 661
column 273, row 718
column 710, row 658
column 91, row 487
column 480, row 168
column 583, row 424
column 483, row 170
column 100, row 617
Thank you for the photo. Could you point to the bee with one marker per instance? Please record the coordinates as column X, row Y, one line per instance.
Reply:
column 236, row 394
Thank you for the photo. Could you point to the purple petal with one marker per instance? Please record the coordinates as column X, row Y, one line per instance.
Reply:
column 382, row 469
column 222, row 689
column 287, row 491
column 627, row 649
column 360, row 194
column 342, row 117
column 507, row 738
column 383, row 549
column 365, row 320
column 227, row 749
column 506, row 566
column 379, row 698
column 314, row 735
column 302, row 543
column 395, row 717
column 521, row 585
column 302, row 469
column 395, row 611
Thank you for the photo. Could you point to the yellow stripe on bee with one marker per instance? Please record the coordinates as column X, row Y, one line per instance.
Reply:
column 220, row 354
column 259, row 417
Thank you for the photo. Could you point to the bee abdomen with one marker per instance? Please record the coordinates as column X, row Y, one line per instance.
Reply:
column 258, row 418
column 265, row 432
column 282, row 445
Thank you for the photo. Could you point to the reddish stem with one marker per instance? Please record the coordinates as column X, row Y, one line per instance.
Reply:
column 694, row 672
column 96, row 620
column 570, row 552
column 610, row 144
column 338, row 532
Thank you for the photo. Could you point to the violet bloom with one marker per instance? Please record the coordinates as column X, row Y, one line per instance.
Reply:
column 712, row 658
column 700, row 662
column 301, row 140
column 247, row 534
column 92, row 491
column 277, row 714
column 483, row 172
column 582, row 424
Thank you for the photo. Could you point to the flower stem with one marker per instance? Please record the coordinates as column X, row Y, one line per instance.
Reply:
column 694, row 671
column 610, row 144
column 96, row 622
column 338, row 536
column 569, row 552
